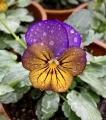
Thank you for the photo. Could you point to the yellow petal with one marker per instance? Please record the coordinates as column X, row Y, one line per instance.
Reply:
column 41, row 78
column 55, row 79
column 61, row 80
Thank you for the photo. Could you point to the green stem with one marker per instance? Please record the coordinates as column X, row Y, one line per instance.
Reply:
column 12, row 33
column 62, row 97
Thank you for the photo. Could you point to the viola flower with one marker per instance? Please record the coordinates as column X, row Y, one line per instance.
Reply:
column 53, row 55
column 3, row 6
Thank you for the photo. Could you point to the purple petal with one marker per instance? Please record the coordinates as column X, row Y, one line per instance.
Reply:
column 50, row 33
column 74, row 36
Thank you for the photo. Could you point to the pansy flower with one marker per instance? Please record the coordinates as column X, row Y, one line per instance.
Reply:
column 53, row 55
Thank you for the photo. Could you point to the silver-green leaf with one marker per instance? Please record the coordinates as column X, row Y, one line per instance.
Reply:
column 83, row 106
column 23, row 3
column 49, row 106
column 68, row 112
column 95, row 75
column 5, row 89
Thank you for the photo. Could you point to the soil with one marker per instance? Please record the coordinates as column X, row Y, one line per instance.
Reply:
column 22, row 110
column 25, row 110
column 102, row 108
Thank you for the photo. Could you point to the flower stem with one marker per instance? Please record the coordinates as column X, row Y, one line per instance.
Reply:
column 62, row 97
column 12, row 33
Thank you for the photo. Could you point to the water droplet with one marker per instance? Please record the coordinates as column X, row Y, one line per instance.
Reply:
column 51, row 31
column 39, row 24
column 36, row 65
column 44, row 34
column 37, row 29
column 31, row 30
column 48, row 26
column 75, row 39
column 42, row 44
column 72, row 31
column 59, row 28
column 43, row 51
column 51, row 43
column 35, row 33
column 34, row 40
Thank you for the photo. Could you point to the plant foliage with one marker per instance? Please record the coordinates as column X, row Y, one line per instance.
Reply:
column 80, row 102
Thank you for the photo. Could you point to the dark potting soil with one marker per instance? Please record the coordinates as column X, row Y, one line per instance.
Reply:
column 25, row 110
column 102, row 108
column 22, row 110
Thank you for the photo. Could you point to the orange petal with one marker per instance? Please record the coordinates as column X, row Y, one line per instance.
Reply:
column 73, row 60
column 36, row 57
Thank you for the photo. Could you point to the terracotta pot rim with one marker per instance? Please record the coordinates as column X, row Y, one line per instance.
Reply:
column 41, row 9
column 66, row 10
column 100, row 43
column 3, row 112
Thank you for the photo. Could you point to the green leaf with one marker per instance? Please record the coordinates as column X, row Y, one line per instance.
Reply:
column 100, row 60
column 2, row 43
column 88, row 96
column 16, row 73
column 10, row 2
column 49, row 106
column 50, row 103
column 13, row 24
column 83, row 106
column 94, row 96
column 74, row 2
column 69, row 113
column 8, row 98
column 20, row 91
column 5, row 89
column 95, row 24
column 13, row 77
column 39, row 109
column 90, row 36
column 15, row 96
column 27, row 18
column 3, row 71
column 95, row 75
column 24, row 16
column 15, row 45
column 102, row 8
column 7, row 58
column 23, row 3
column 7, row 41
column 100, row 16
column 36, row 93
column 80, row 20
